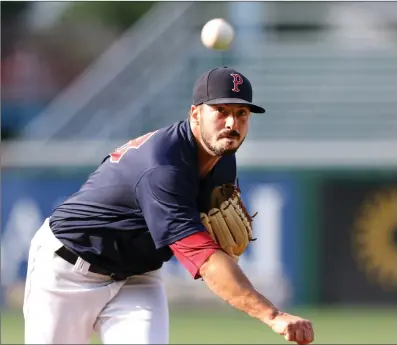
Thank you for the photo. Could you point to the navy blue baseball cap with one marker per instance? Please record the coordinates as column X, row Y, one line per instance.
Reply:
column 224, row 85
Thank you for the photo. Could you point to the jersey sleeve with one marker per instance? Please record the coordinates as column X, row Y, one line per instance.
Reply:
column 193, row 250
column 167, row 198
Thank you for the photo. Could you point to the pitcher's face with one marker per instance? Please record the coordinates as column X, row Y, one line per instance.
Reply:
column 223, row 127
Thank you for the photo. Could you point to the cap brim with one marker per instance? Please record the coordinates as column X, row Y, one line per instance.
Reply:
column 253, row 107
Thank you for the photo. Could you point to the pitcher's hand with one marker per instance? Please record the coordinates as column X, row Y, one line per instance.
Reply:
column 293, row 328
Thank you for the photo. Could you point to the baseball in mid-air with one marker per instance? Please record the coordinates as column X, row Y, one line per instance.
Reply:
column 217, row 34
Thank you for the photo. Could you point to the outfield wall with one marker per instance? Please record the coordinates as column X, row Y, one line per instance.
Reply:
column 322, row 236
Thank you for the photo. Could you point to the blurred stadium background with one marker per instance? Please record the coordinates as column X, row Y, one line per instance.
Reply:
column 79, row 78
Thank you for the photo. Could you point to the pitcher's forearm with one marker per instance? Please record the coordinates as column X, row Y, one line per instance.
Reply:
column 225, row 278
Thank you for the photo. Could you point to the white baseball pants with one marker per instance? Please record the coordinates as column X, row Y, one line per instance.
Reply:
column 65, row 304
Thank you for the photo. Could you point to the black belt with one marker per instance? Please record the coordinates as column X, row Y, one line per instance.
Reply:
column 71, row 257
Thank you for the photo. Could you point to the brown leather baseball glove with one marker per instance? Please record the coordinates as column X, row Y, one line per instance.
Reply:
column 228, row 221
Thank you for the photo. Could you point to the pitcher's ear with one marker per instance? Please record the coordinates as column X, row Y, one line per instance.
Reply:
column 194, row 114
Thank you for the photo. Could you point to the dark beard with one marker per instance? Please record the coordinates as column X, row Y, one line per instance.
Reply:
column 219, row 152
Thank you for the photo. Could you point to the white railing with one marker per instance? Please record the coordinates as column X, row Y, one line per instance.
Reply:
column 273, row 153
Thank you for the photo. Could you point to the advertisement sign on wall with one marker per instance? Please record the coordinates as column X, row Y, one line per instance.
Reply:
column 26, row 201
column 359, row 243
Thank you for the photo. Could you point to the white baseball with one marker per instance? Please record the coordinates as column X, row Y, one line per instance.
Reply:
column 217, row 34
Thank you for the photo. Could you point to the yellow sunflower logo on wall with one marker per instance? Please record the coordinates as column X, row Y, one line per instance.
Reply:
column 375, row 238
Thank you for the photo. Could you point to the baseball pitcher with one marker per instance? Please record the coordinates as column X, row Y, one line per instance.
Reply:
column 95, row 263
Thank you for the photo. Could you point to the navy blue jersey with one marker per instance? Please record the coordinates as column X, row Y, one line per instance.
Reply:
column 142, row 198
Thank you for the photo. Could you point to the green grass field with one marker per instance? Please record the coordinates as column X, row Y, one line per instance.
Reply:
column 332, row 326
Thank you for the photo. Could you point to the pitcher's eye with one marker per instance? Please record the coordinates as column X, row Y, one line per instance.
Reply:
column 220, row 110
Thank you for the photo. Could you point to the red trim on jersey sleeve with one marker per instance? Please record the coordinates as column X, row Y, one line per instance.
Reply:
column 192, row 251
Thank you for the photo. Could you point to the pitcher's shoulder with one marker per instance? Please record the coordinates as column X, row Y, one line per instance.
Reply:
column 172, row 143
